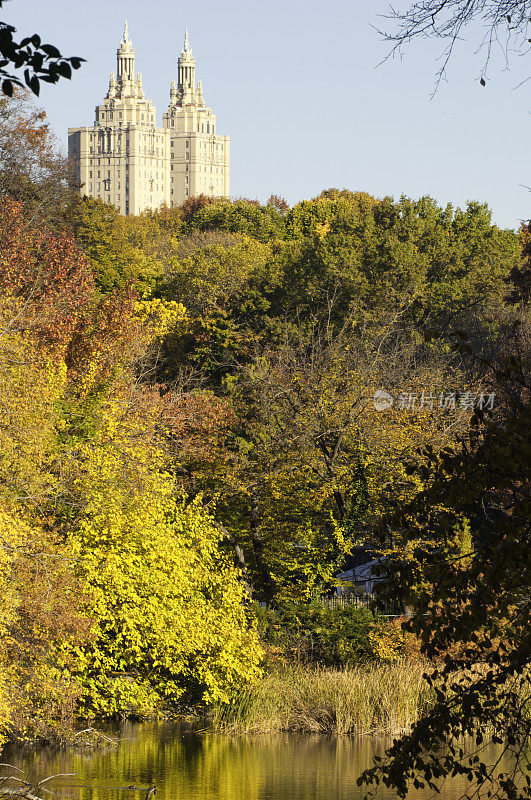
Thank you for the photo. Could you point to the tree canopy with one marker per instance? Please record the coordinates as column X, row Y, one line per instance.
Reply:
column 191, row 426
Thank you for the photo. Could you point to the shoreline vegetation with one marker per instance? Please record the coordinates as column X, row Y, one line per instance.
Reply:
column 362, row 699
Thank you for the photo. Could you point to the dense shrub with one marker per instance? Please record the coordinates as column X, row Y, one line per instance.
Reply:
column 335, row 637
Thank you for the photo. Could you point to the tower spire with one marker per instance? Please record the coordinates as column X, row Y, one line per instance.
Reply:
column 125, row 57
column 186, row 70
column 186, row 47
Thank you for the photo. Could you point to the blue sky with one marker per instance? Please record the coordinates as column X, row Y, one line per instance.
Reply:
column 297, row 87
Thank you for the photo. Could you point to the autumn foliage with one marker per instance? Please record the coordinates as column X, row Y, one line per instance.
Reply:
column 83, row 476
column 188, row 426
column 44, row 279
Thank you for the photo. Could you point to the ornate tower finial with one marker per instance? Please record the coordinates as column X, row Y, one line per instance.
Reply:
column 186, row 47
column 186, row 69
column 125, row 55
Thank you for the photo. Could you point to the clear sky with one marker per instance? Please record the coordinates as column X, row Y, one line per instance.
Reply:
column 296, row 86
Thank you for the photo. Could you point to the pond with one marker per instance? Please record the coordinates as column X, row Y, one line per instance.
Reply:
column 202, row 765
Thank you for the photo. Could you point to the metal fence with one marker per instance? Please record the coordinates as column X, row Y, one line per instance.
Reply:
column 361, row 601
column 345, row 601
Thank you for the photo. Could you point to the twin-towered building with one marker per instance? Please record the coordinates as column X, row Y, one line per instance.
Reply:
column 126, row 160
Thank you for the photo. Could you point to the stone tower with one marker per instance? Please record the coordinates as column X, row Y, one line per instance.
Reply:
column 199, row 157
column 125, row 160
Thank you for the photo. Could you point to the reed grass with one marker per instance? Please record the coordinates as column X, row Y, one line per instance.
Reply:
column 371, row 699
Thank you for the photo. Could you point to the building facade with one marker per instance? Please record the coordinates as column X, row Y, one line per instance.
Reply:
column 126, row 160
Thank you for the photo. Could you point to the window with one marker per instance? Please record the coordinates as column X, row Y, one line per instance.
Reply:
column 90, row 174
column 91, row 149
column 172, row 143
column 98, row 173
column 187, row 143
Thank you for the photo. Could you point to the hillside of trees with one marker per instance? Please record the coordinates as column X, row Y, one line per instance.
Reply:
column 188, row 430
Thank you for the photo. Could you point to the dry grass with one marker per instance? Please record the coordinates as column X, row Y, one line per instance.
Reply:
column 379, row 698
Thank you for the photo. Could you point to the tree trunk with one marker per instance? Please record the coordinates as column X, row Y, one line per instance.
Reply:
column 268, row 584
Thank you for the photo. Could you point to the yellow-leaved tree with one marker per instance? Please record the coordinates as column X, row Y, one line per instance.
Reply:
column 171, row 625
column 117, row 598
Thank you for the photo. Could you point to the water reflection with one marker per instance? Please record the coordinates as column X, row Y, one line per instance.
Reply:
column 187, row 765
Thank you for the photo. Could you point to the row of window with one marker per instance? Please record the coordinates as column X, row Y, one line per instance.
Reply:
column 154, row 151
column 210, row 128
column 92, row 162
column 118, row 135
column 106, row 188
column 216, row 145
column 117, row 150
column 153, row 162
column 147, row 173
column 101, row 115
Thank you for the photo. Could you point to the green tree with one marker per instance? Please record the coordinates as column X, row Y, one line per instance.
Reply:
column 368, row 254
column 345, row 251
column 460, row 558
column 115, row 246
column 222, row 279
column 239, row 216
column 295, row 336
